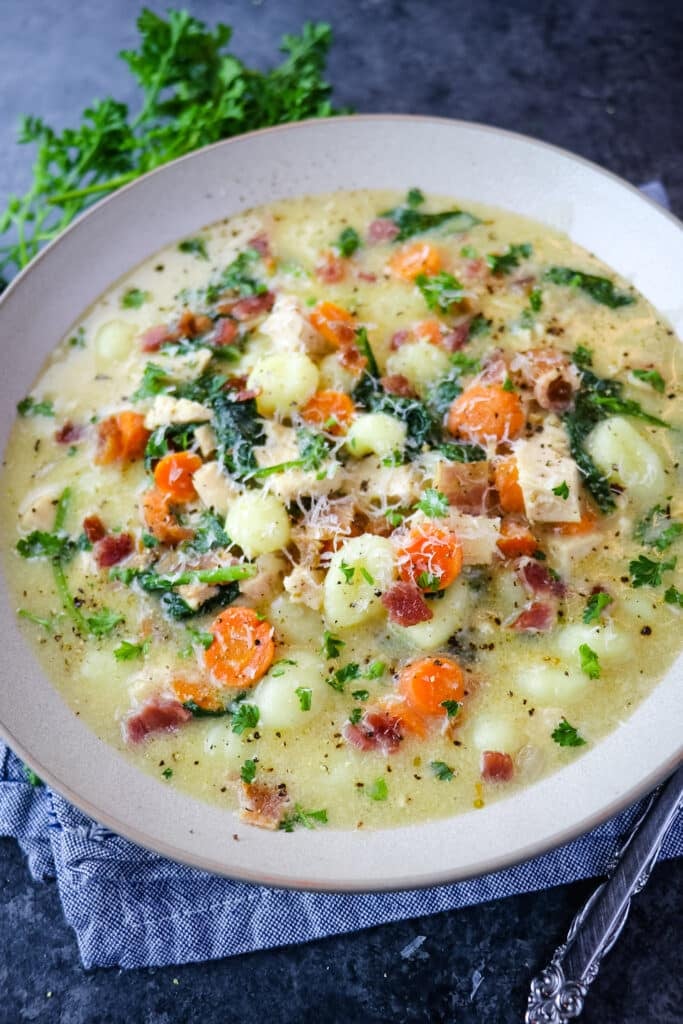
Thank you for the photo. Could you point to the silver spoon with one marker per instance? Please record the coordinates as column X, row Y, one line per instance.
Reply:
column 558, row 992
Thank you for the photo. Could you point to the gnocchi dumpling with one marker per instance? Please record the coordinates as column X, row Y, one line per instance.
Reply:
column 421, row 362
column 611, row 645
column 258, row 523
column 621, row 452
column 283, row 381
column 448, row 615
column 550, row 685
column 279, row 703
column 359, row 572
column 375, row 433
column 114, row 341
column 493, row 732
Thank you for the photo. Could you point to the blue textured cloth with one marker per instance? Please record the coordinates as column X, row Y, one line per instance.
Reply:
column 132, row 908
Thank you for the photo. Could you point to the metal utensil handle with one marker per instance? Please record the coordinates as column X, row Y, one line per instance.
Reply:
column 558, row 992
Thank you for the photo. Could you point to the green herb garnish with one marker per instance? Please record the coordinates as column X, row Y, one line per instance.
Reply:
column 30, row 407
column 505, row 262
column 562, row 490
column 647, row 573
column 248, row 771
column 565, row 735
column 305, row 695
column 600, row 289
column 590, row 665
column 348, row 242
column 378, row 790
column 127, row 651
column 194, row 247
column 442, row 771
column 651, row 377
column 440, row 291
column 594, row 606
column 657, row 529
column 332, row 645
column 134, row 298
column 308, row 819
column 433, row 503
column 245, row 716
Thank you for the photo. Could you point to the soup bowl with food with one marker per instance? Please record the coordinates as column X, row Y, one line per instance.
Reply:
column 342, row 504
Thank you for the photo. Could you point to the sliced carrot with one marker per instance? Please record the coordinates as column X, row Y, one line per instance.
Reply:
column 428, row 682
column 516, row 539
column 486, row 411
column 173, row 475
column 199, row 692
column 332, row 410
column 506, row 479
column 242, row 648
column 159, row 519
column 415, row 259
column 334, row 323
column 428, row 330
column 586, row 524
column 409, row 719
column 431, row 557
column 122, row 437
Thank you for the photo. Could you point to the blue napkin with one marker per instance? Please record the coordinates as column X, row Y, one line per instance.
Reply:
column 132, row 908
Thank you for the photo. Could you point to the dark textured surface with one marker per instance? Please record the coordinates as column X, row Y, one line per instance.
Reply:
column 601, row 78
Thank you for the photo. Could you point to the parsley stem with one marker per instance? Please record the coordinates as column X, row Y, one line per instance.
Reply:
column 90, row 190
column 66, row 597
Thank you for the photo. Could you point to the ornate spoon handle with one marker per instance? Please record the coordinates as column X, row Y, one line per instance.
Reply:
column 558, row 992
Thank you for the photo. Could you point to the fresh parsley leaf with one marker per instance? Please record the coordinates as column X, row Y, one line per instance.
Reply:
column 452, row 707
column 565, row 735
column 167, row 773
column 362, row 694
column 355, row 715
column 394, row 517
column 308, row 819
column 428, row 581
column 590, row 664
column 367, row 576
column 305, row 695
column 600, row 289
column 433, row 503
column 440, row 291
column 562, row 490
column 134, row 298
column 505, row 262
column 103, row 622
column 348, row 242
column 442, row 771
column 154, row 381
column 332, row 645
column 374, row 671
column 651, row 377
column 673, row 596
column 582, row 357
column 507, row 384
column 30, row 407
column 536, row 300
column 245, row 716
column 647, row 573
column 347, row 571
column 77, row 340
column 479, row 326
column 415, row 197
column 194, row 247
column 594, row 606
column 657, row 529
column 127, row 651
column 279, row 669
column 148, row 540
column 31, row 777
column 248, row 771
column 343, row 675
column 41, row 544
column 378, row 790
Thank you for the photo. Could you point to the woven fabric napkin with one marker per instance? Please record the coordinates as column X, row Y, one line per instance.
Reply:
column 132, row 908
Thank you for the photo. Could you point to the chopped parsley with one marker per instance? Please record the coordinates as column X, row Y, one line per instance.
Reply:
column 562, row 490
column 378, row 790
column 362, row 694
column 245, row 716
column 428, row 581
column 194, row 247
column 672, row 595
column 651, row 377
column 341, row 677
column 248, row 771
column 647, row 573
column 433, row 503
column 452, row 707
column 154, row 381
column 347, row 571
column 305, row 695
column 657, row 529
column 507, row 384
column 134, row 298
column 442, row 771
column 440, row 291
column 308, row 819
column 582, row 357
column 505, row 262
column 565, row 735
column 590, row 665
column 238, row 278
column 167, row 773
column 595, row 604
column 127, row 651
column 536, row 300
column 348, row 242
column 332, row 645
column 600, row 289
column 366, row 576
column 479, row 326
column 31, row 777
column 355, row 716
column 394, row 517
column 279, row 668
column 30, row 407
column 375, row 670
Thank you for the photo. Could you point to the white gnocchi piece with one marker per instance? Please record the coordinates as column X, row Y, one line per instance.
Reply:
column 492, row 732
column 278, row 702
column 375, row 433
column 621, row 452
column 358, row 574
column 550, row 685
column 221, row 742
column 284, row 381
column 114, row 341
column 334, row 376
column 258, row 523
column 448, row 615
column 612, row 645
column 420, row 362
column 295, row 623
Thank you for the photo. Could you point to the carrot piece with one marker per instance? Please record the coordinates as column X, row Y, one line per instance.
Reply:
column 506, row 479
column 121, row 437
column 486, row 411
column 159, row 519
column 413, row 260
column 197, row 691
column 409, row 719
column 332, row 410
column 334, row 323
column 586, row 524
column 431, row 557
column 428, row 330
column 516, row 539
column 428, row 682
column 173, row 475
column 242, row 648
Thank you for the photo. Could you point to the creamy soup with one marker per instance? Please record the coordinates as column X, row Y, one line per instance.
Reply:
column 353, row 510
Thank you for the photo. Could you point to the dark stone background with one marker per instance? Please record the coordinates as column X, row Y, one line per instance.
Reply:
column 600, row 77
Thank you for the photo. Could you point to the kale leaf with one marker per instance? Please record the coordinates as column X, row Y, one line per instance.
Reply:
column 600, row 289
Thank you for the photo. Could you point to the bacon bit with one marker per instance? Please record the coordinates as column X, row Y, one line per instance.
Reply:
column 473, row 270
column 225, row 333
column 377, row 730
column 465, row 484
column 191, row 325
column 160, row 714
column 352, row 359
column 382, row 230
column 112, row 549
column 456, row 338
column 262, row 245
column 539, row 580
column 154, row 337
column 535, row 618
column 397, row 384
column 398, row 339
column 406, row 605
column 496, row 767
column 331, row 270
column 365, row 275
column 68, row 433
column 262, row 805
column 94, row 528
column 252, row 306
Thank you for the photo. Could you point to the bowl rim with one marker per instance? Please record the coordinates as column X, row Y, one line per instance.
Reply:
column 410, row 881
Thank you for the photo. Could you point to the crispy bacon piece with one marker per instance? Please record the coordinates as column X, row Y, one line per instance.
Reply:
column 251, row 307
column 112, row 549
column 331, row 269
column 537, row 617
column 406, row 605
column 94, row 528
column 226, row 332
column 539, row 579
column 262, row 805
column 382, row 230
column 366, row 275
column 457, row 337
column 399, row 338
column 465, row 484
column 160, row 714
column 473, row 270
column 262, row 245
column 496, row 767
column 154, row 337
column 191, row 325
column 351, row 358
column 68, row 433
column 377, row 730
column 397, row 384
column 552, row 375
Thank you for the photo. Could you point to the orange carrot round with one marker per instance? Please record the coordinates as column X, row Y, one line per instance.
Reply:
column 516, row 539
column 506, row 479
column 173, row 475
column 410, row 720
column 332, row 410
column 428, row 330
column 242, row 648
column 334, row 323
column 428, row 682
column 431, row 557
column 121, row 437
column 415, row 259
column 486, row 411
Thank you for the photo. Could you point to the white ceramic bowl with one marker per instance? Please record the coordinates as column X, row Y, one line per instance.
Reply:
column 467, row 161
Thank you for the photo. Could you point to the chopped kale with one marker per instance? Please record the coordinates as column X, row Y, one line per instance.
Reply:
column 209, row 534
column 440, row 291
column 505, row 262
column 457, row 452
column 238, row 278
column 651, row 377
column 600, row 289
column 308, row 819
column 155, row 381
column 239, row 429
column 410, row 220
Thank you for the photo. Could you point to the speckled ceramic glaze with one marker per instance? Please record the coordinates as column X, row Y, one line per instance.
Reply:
column 598, row 211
